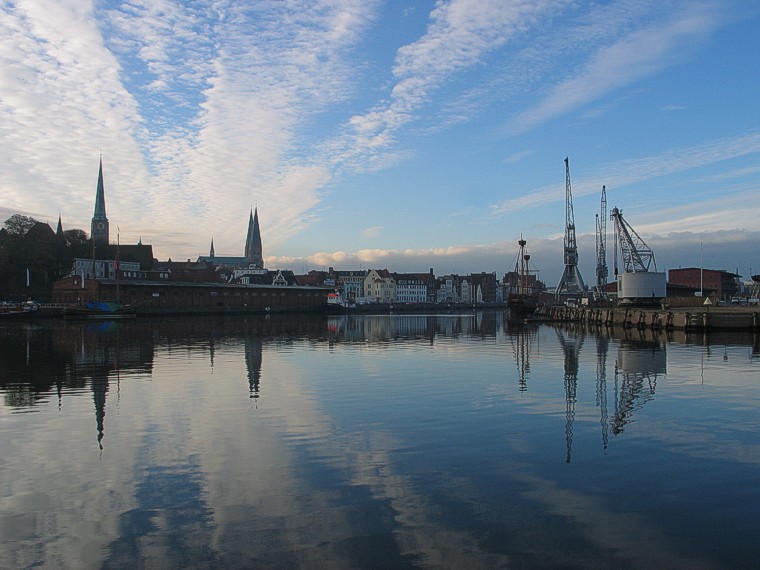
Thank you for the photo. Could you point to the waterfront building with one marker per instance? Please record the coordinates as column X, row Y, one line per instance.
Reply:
column 164, row 296
column 411, row 287
column 722, row 283
column 380, row 286
column 482, row 288
column 351, row 285
column 449, row 289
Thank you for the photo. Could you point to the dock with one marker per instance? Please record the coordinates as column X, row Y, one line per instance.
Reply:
column 688, row 319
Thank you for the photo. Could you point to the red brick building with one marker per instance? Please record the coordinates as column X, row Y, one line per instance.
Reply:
column 723, row 283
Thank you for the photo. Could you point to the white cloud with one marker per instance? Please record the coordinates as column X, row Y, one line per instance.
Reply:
column 622, row 174
column 638, row 54
column 371, row 232
column 459, row 34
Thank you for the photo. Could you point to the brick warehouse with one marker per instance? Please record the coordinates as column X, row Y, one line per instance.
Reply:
column 176, row 297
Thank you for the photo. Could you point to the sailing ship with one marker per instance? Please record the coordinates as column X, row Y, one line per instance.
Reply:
column 523, row 302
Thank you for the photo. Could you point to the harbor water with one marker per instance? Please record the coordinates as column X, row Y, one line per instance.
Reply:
column 376, row 441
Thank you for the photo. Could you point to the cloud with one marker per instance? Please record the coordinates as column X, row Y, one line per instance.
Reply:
column 371, row 232
column 459, row 34
column 629, row 172
column 638, row 54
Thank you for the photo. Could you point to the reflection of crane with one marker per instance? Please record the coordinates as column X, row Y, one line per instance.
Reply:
column 571, row 348
column 637, row 256
column 601, row 245
column 639, row 363
column 601, row 385
column 571, row 280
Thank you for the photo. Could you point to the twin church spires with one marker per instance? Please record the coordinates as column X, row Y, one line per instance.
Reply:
column 99, row 228
column 253, row 253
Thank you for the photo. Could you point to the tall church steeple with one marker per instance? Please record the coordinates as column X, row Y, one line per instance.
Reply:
column 211, row 251
column 99, row 226
column 253, row 252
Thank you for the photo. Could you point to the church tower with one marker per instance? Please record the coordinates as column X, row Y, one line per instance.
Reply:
column 253, row 253
column 99, row 226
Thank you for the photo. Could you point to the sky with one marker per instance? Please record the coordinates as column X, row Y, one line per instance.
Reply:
column 399, row 135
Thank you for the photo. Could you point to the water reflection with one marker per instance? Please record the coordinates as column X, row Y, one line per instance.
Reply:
column 639, row 363
column 571, row 342
column 392, row 441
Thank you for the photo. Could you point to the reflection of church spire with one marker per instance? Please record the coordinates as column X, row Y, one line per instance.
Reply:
column 571, row 350
column 99, row 391
column 253, row 360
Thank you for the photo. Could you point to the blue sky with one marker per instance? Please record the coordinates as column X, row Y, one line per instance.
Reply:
column 405, row 135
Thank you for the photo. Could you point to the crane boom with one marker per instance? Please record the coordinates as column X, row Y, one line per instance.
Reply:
column 601, row 243
column 636, row 254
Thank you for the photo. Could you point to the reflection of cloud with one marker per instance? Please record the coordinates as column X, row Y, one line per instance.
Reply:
column 631, row 537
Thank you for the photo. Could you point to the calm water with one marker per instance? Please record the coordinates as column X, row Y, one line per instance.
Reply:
column 375, row 442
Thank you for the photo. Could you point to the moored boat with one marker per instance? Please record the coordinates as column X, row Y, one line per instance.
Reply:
column 100, row 310
column 19, row 310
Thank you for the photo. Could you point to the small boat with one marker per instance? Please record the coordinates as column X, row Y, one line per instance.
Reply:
column 19, row 310
column 100, row 310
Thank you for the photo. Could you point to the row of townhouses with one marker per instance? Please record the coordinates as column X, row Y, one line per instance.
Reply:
column 384, row 286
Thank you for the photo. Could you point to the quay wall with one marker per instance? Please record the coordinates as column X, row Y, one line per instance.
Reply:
column 685, row 319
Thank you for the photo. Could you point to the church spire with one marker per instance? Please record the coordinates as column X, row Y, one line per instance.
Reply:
column 211, row 251
column 59, row 229
column 99, row 227
column 253, row 251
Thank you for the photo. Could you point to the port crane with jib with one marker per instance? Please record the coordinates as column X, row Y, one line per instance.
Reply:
column 640, row 282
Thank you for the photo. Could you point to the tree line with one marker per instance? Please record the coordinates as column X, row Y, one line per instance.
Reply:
column 32, row 256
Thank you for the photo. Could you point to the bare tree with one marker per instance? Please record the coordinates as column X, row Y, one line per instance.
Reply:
column 18, row 225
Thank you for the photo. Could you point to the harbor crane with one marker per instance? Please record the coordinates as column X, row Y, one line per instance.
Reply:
column 571, row 280
column 636, row 254
column 601, row 246
column 640, row 282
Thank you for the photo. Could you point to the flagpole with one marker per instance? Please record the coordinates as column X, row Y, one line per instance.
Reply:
column 116, row 265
